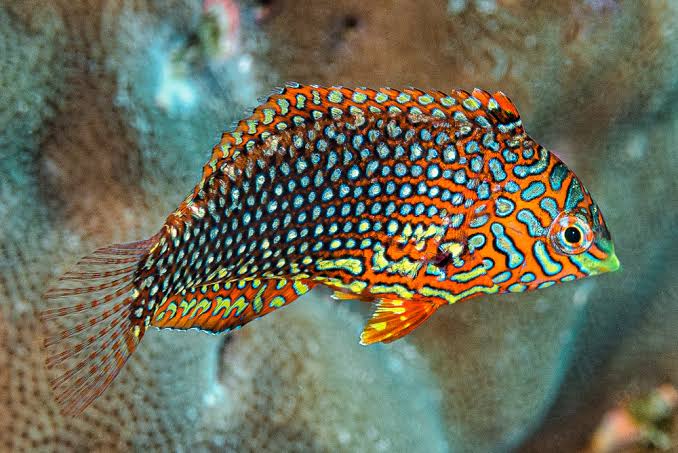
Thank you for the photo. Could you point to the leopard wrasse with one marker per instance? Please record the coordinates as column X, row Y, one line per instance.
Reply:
column 407, row 199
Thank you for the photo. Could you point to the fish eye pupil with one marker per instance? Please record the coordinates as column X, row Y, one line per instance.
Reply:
column 572, row 235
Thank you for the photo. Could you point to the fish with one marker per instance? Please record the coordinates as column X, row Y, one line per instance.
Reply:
column 407, row 199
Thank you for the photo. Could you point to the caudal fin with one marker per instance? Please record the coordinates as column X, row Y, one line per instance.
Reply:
column 87, row 326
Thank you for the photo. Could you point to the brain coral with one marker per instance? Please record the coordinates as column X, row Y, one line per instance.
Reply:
column 101, row 135
column 102, row 161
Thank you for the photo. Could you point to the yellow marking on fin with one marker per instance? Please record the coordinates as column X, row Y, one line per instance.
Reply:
column 300, row 287
column 186, row 306
column 354, row 290
column 340, row 295
column 201, row 306
column 394, row 319
column 225, row 302
column 379, row 326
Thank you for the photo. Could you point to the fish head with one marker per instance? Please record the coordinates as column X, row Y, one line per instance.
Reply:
column 581, row 236
column 559, row 229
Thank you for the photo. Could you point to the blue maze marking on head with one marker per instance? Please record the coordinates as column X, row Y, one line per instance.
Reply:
column 550, row 206
column 574, row 195
column 534, row 227
column 558, row 174
column 505, row 245
column 522, row 171
column 583, row 262
column 548, row 265
column 534, row 190
column 527, row 277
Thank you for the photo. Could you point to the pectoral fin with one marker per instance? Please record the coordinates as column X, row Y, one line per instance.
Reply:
column 394, row 319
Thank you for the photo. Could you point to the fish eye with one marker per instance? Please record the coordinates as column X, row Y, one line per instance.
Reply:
column 571, row 234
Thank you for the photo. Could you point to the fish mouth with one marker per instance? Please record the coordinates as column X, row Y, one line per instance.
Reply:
column 598, row 259
column 610, row 263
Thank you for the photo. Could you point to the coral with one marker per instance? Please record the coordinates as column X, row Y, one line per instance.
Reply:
column 106, row 120
column 106, row 163
column 306, row 397
column 32, row 76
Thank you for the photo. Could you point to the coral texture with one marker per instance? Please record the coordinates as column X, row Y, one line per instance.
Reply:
column 103, row 131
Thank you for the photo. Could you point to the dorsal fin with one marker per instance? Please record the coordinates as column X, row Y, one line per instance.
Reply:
column 296, row 106
column 498, row 106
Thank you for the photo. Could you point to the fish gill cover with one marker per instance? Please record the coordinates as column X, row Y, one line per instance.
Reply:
column 110, row 109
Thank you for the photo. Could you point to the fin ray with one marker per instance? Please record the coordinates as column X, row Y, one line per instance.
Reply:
column 393, row 319
column 87, row 325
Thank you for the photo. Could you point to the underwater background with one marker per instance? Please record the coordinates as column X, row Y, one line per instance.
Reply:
column 109, row 109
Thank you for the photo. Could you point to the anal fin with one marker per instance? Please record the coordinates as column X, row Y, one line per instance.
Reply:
column 223, row 306
column 394, row 319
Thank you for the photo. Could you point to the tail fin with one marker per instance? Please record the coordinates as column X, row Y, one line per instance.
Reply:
column 88, row 333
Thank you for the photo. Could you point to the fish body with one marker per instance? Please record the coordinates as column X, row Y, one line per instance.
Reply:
column 406, row 198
